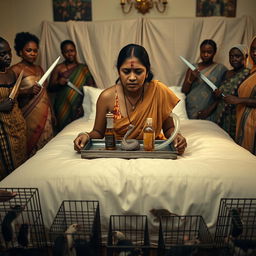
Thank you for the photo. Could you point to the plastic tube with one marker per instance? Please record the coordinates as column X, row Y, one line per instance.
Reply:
column 176, row 122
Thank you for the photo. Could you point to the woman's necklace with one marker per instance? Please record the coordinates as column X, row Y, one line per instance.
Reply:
column 137, row 101
column 133, row 106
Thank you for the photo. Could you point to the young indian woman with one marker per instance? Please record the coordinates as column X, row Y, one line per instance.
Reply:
column 133, row 98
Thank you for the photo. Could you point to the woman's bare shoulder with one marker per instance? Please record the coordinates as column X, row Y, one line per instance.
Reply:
column 17, row 67
column 108, row 93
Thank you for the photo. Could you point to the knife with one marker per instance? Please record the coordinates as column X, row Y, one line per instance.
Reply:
column 71, row 85
column 48, row 72
column 202, row 76
column 16, row 87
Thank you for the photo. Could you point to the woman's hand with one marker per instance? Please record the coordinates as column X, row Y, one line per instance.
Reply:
column 203, row 114
column 80, row 141
column 36, row 88
column 6, row 105
column 217, row 94
column 180, row 143
column 62, row 80
column 230, row 99
column 193, row 75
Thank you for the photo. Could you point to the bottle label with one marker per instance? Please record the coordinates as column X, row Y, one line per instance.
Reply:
column 110, row 141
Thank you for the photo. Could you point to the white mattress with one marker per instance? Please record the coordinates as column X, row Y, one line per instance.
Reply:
column 212, row 167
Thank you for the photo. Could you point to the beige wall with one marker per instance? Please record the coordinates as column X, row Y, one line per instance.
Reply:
column 27, row 15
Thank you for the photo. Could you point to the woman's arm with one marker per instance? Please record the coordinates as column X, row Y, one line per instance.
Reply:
column 56, row 80
column 190, row 77
column 98, row 131
column 179, row 142
column 250, row 102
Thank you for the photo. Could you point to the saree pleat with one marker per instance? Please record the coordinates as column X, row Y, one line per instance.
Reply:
column 12, row 137
column 37, row 114
column 246, row 116
column 158, row 102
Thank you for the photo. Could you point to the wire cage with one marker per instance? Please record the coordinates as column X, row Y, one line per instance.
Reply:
column 128, row 235
column 21, row 220
column 77, row 222
column 236, row 226
column 183, row 235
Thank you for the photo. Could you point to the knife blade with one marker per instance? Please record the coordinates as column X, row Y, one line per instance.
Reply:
column 71, row 85
column 16, row 87
column 48, row 72
column 202, row 76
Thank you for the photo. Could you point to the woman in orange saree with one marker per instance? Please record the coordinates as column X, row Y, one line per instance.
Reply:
column 33, row 99
column 133, row 98
column 246, row 106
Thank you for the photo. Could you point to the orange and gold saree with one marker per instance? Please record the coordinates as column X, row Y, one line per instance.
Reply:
column 158, row 102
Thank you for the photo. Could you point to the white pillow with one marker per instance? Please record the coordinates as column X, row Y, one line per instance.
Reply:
column 91, row 96
column 180, row 108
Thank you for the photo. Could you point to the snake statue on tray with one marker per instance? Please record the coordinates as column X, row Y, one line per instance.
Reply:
column 130, row 144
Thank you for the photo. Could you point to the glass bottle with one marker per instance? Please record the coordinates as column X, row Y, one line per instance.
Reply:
column 149, row 135
column 110, row 140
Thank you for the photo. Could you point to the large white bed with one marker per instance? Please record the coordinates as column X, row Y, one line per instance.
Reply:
column 212, row 167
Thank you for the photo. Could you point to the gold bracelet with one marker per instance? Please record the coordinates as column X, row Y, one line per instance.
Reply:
column 84, row 133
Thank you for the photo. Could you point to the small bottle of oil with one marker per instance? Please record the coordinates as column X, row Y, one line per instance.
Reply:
column 149, row 135
column 110, row 140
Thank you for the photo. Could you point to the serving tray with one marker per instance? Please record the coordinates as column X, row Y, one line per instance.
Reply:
column 95, row 148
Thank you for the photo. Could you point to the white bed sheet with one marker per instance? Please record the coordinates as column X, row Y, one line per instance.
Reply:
column 212, row 167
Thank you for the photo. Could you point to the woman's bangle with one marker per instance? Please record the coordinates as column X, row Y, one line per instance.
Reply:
column 84, row 133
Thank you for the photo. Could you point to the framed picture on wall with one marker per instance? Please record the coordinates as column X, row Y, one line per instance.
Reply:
column 205, row 8
column 64, row 10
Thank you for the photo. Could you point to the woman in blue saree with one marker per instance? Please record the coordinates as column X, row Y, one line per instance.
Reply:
column 198, row 93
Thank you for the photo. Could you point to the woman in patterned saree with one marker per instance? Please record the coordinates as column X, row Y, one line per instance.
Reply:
column 33, row 99
column 224, row 114
column 12, row 124
column 246, row 106
column 198, row 93
column 67, row 101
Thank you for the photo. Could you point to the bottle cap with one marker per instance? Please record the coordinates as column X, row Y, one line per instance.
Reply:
column 109, row 115
column 149, row 121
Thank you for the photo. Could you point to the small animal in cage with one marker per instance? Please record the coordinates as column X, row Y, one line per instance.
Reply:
column 9, row 221
column 120, row 241
column 236, row 223
column 158, row 213
column 64, row 244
